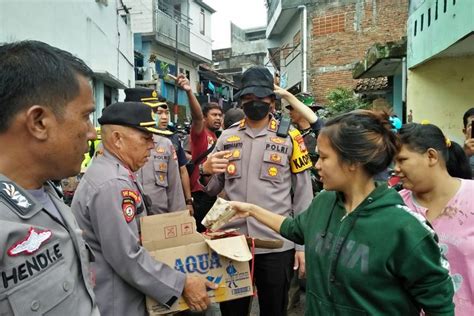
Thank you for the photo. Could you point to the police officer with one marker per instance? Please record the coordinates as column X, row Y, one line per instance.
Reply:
column 160, row 176
column 107, row 205
column 256, row 160
column 45, row 102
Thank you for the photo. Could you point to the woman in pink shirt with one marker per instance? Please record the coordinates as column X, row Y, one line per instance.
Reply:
column 430, row 167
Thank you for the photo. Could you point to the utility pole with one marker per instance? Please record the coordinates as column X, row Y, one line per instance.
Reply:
column 175, row 110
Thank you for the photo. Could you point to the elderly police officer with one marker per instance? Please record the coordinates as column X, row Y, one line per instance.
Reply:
column 45, row 103
column 258, row 161
column 108, row 203
column 160, row 176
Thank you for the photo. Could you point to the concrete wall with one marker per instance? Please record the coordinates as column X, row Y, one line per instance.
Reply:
column 342, row 32
column 241, row 46
column 441, row 91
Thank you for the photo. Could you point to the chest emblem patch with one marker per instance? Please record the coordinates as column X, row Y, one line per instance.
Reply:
column 32, row 242
column 16, row 196
column 275, row 157
column 272, row 171
column 160, row 150
column 231, row 169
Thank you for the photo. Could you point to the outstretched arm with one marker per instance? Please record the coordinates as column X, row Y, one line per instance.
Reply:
column 267, row 218
column 297, row 105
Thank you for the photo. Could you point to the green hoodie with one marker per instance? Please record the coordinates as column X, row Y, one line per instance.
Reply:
column 380, row 259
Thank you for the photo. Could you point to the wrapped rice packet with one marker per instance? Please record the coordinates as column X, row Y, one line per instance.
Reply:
column 219, row 215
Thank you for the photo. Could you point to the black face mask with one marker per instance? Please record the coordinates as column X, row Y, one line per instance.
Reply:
column 256, row 110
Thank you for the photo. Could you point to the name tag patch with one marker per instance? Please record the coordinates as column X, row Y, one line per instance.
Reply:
column 31, row 266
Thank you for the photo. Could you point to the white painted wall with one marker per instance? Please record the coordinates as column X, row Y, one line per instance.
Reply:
column 200, row 44
column 92, row 31
column 141, row 15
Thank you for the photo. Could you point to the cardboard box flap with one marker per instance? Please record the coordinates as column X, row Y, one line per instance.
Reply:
column 169, row 230
column 234, row 248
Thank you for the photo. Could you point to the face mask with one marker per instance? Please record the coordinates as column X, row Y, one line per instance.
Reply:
column 256, row 110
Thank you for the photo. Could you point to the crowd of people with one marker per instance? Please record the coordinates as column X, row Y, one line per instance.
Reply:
column 363, row 247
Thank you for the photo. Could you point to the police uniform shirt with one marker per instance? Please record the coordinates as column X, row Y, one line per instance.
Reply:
column 161, row 180
column 264, row 169
column 107, row 204
column 44, row 265
column 182, row 160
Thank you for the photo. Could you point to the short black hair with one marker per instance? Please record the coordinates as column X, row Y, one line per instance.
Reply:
column 210, row 106
column 33, row 72
column 467, row 115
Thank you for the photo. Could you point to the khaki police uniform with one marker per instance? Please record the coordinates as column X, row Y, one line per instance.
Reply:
column 44, row 264
column 107, row 204
column 266, row 170
column 161, row 179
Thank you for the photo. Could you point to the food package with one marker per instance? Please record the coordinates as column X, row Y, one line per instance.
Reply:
column 219, row 215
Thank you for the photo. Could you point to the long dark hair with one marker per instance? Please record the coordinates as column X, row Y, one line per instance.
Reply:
column 421, row 137
column 364, row 137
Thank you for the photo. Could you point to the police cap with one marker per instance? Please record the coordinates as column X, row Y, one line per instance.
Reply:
column 131, row 114
column 256, row 80
column 146, row 95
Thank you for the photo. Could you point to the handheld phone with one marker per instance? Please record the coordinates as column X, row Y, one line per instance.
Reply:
column 472, row 131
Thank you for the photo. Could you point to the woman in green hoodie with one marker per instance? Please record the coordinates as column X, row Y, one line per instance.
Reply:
column 366, row 252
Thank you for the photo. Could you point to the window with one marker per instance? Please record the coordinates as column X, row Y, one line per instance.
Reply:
column 177, row 12
column 202, row 22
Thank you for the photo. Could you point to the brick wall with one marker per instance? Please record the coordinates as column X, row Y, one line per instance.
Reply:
column 342, row 32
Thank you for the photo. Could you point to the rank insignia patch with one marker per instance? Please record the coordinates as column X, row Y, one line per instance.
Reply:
column 16, row 196
column 272, row 125
column 32, row 242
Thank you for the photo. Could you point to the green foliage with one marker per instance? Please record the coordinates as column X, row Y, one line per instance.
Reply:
column 343, row 100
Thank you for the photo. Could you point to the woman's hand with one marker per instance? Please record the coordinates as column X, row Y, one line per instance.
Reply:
column 242, row 209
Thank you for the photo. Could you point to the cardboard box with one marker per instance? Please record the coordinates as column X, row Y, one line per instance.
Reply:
column 172, row 239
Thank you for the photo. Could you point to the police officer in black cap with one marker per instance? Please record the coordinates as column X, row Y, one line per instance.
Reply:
column 164, row 177
column 255, row 161
column 107, row 205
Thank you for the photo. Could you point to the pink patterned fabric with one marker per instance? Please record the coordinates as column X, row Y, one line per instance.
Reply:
column 455, row 229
